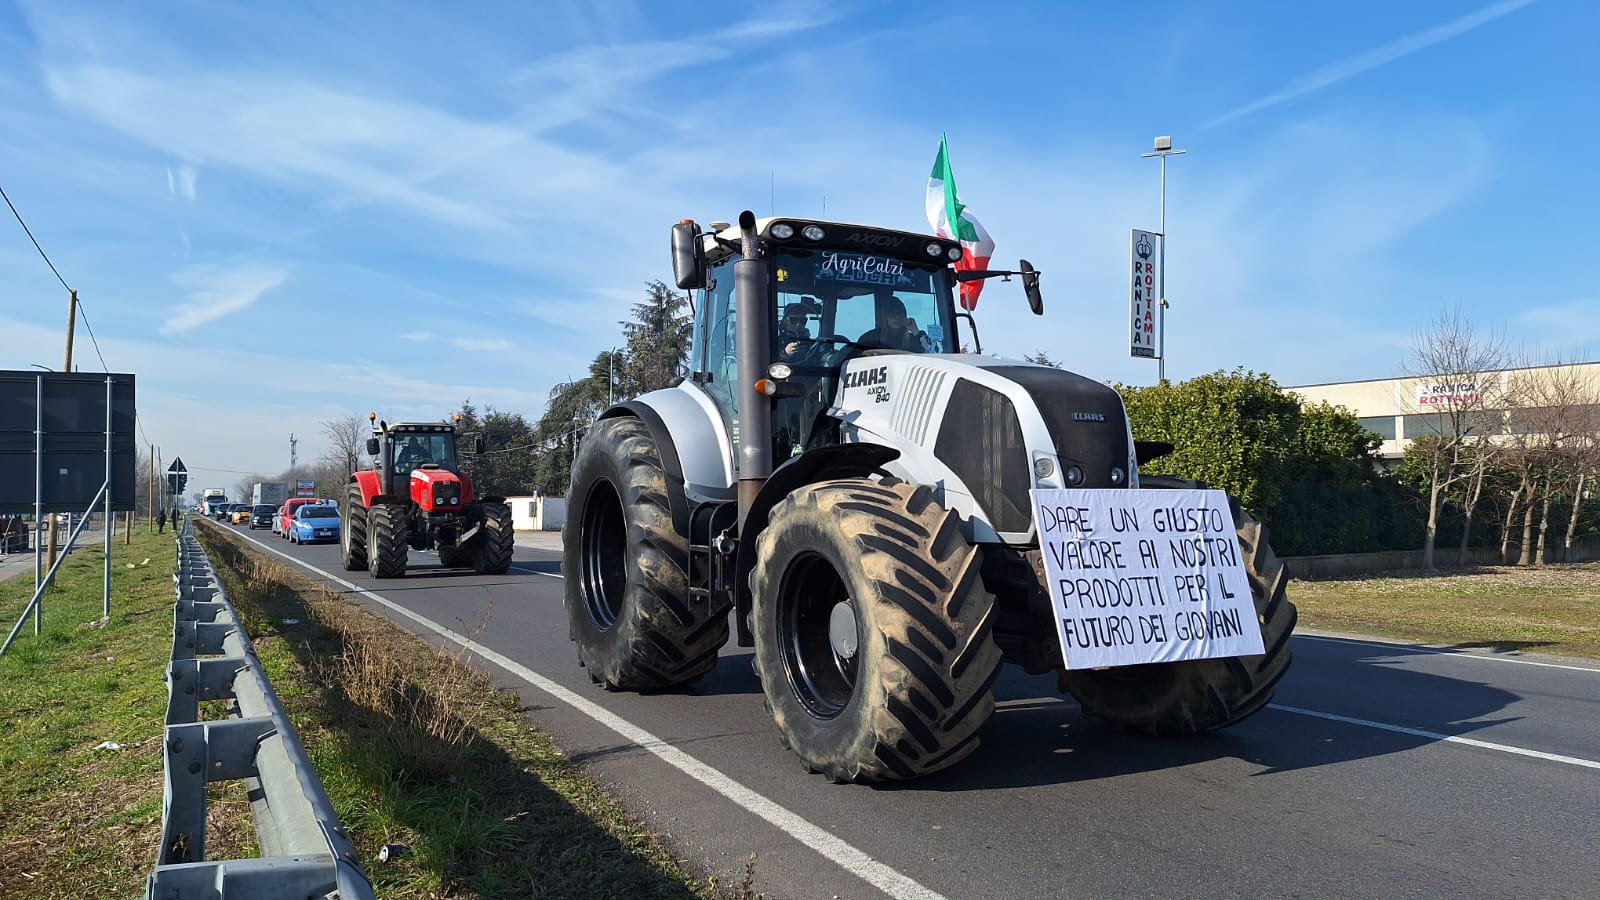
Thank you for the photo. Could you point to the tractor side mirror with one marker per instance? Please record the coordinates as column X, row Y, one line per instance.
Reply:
column 372, row 446
column 688, row 256
column 477, row 444
column 1030, row 286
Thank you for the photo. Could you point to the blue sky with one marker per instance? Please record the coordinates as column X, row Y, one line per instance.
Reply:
column 279, row 214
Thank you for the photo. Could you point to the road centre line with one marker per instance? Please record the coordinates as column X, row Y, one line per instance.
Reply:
column 845, row 855
column 1437, row 651
column 1436, row 736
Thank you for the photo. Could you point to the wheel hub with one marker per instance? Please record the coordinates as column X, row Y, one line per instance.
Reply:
column 842, row 633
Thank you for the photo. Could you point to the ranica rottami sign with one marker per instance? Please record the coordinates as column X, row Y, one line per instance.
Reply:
column 1448, row 393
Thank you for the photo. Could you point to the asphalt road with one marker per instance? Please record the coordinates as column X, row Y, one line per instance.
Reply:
column 1382, row 770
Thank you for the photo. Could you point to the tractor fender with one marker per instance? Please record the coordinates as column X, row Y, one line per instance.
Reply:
column 371, row 490
column 819, row 464
column 693, row 443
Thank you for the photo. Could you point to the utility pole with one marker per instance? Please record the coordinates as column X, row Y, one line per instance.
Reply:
column 66, row 366
column 1163, row 149
column 293, row 451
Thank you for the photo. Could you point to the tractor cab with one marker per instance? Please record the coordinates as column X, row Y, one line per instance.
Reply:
column 404, row 447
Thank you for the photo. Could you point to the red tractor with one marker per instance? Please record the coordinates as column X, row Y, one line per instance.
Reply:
column 415, row 496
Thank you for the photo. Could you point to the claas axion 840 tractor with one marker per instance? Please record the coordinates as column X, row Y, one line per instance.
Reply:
column 856, row 492
column 415, row 497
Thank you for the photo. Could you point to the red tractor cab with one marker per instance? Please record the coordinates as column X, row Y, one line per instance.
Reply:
column 415, row 497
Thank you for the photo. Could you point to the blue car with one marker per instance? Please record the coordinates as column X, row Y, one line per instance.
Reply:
column 314, row 523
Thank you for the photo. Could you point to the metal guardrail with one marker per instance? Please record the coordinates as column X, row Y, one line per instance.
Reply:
column 305, row 853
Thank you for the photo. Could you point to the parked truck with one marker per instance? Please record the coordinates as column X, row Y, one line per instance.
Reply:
column 273, row 492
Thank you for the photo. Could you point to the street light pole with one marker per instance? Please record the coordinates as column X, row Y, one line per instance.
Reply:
column 1163, row 149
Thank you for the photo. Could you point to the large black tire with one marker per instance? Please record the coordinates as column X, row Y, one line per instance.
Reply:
column 491, row 552
column 881, row 569
column 387, row 534
column 353, row 531
column 624, row 560
column 1197, row 696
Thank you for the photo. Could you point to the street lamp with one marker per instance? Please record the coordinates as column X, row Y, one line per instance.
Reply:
column 37, row 366
column 1163, row 149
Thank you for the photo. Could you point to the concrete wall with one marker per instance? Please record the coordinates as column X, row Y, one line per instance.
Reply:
column 538, row 513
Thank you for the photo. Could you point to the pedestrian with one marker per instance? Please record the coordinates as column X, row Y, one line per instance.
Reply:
column 161, row 521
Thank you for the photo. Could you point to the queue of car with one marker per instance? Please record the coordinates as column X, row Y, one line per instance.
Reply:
column 300, row 520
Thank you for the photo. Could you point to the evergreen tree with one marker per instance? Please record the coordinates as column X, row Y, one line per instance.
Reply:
column 658, row 340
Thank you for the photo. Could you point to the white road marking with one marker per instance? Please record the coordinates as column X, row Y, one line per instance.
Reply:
column 1436, row 736
column 1439, row 651
column 532, row 572
column 846, row 856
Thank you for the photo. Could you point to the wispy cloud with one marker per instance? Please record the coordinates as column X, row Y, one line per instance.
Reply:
column 481, row 344
column 418, row 337
column 181, row 182
column 1371, row 59
column 216, row 291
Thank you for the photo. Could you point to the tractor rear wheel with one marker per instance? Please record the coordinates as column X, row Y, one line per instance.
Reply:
column 353, row 531
column 387, row 531
column 872, row 630
column 492, row 553
column 627, row 592
column 1201, row 695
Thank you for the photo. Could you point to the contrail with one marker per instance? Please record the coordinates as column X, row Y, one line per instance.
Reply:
column 1371, row 59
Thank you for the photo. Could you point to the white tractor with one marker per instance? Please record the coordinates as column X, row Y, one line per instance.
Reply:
column 855, row 490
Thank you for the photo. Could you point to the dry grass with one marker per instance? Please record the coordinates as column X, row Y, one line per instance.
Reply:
column 416, row 747
column 1553, row 609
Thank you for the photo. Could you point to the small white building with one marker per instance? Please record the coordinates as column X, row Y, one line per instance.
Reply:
column 538, row 513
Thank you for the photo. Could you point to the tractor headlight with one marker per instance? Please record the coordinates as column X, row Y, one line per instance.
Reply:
column 1043, row 467
column 933, row 248
column 783, row 231
column 813, row 232
column 1117, row 475
column 779, row 371
column 954, row 253
column 1074, row 476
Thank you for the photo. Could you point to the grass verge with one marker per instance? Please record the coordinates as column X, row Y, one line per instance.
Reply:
column 417, row 751
column 1551, row 609
column 76, row 821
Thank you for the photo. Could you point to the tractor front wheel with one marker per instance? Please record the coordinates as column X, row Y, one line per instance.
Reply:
column 1200, row 695
column 872, row 630
column 495, row 543
column 353, row 531
column 628, row 600
column 387, row 530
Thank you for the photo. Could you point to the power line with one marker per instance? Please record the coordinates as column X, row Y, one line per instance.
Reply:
column 35, row 240
column 103, row 366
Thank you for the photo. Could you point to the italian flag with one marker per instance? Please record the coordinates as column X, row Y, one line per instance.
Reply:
column 950, row 218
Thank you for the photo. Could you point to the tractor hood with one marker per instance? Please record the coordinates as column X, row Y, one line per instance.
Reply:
column 439, row 490
column 988, row 429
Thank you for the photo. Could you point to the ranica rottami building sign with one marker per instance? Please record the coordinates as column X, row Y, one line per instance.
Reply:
column 1448, row 393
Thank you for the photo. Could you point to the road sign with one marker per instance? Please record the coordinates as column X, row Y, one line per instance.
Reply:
column 177, row 465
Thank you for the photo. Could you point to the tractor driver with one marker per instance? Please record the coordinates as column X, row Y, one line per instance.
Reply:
column 794, row 333
column 412, row 453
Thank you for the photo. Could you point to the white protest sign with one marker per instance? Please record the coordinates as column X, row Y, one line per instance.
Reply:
column 1144, row 576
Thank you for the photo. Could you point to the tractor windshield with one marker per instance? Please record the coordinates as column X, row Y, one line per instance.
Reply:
column 414, row 450
column 830, row 299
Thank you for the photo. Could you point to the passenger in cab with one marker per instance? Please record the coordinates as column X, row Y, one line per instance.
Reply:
column 894, row 331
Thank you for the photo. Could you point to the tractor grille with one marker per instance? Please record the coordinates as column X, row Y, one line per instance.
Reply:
column 914, row 406
column 447, row 495
column 1084, row 418
column 981, row 441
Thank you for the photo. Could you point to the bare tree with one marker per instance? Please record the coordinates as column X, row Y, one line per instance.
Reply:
column 347, row 440
column 1456, row 368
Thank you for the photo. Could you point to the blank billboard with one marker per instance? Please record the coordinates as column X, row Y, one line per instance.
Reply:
column 74, row 439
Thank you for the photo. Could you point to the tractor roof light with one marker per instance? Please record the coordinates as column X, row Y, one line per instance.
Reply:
column 779, row 371
column 933, row 248
column 954, row 253
column 813, row 232
column 783, row 231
